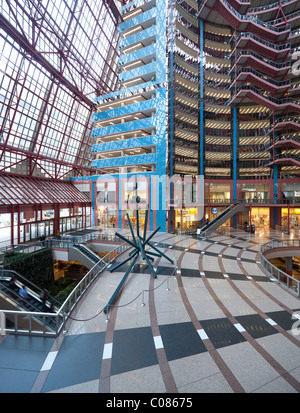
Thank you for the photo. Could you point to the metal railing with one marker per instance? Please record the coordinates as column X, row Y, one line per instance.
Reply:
column 291, row 283
column 51, row 324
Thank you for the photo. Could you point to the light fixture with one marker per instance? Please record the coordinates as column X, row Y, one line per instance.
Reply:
column 132, row 14
column 132, row 48
column 138, row 79
column 132, row 30
column 130, row 65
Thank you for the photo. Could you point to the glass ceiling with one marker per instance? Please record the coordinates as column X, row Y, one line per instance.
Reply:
column 22, row 190
column 56, row 56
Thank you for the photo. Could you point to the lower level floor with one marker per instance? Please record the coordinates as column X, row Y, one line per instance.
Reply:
column 213, row 323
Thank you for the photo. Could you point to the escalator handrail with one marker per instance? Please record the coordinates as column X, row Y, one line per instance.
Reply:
column 204, row 228
column 88, row 252
column 18, row 299
column 35, row 290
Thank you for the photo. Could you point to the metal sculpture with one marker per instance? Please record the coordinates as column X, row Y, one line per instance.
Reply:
column 139, row 244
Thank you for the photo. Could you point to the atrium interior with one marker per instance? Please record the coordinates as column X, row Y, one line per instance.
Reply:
column 167, row 126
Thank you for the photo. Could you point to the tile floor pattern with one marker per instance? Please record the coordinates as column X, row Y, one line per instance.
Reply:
column 216, row 323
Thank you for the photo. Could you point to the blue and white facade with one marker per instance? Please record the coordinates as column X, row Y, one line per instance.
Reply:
column 145, row 134
column 130, row 126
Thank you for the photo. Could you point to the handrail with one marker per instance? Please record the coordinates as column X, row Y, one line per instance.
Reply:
column 59, row 318
column 291, row 283
column 285, row 18
column 262, row 59
column 32, row 288
column 250, row 18
column 279, row 47
column 267, row 79
column 283, row 156
column 266, row 7
column 268, row 97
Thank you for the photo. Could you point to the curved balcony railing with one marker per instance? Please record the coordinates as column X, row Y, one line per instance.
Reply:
column 247, row 35
column 254, row 19
column 287, row 119
column 186, row 143
column 279, row 275
column 283, row 19
column 294, row 33
column 262, row 77
column 282, row 139
column 263, row 59
column 278, row 102
column 283, row 156
column 266, row 7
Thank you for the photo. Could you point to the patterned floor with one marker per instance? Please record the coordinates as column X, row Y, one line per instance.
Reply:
column 214, row 323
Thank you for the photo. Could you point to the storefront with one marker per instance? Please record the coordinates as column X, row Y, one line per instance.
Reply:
column 291, row 214
column 106, row 216
column 186, row 219
column 255, row 192
column 132, row 217
column 260, row 217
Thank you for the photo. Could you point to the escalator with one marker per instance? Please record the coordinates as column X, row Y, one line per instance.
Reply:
column 79, row 252
column 10, row 298
column 209, row 227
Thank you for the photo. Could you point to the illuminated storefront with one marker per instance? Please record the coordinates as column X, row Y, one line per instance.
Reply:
column 260, row 217
column 186, row 218
column 291, row 214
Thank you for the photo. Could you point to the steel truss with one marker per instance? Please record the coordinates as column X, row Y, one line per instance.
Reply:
column 72, row 46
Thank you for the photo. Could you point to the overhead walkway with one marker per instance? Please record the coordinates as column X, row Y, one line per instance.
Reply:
column 211, row 226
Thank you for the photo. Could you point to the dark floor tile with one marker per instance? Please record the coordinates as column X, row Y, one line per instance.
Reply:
column 132, row 349
column 165, row 270
column 283, row 319
column 186, row 272
column 256, row 326
column 260, row 278
column 181, row 340
column 234, row 276
column 16, row 381
column 214, row 274
column 78, row 360
column 221, row 332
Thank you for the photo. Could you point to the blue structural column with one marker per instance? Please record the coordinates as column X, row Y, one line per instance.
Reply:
column 234, row 158
column 171, row 209
column 94, row 206
column 201, row 120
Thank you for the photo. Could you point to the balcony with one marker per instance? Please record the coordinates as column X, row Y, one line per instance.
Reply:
column 285, row 141
column 284, row 159
column 149, row 158
column 248, row 41
column 241, row 22
column 261, row 63
column 246, row 74
column 247, row 93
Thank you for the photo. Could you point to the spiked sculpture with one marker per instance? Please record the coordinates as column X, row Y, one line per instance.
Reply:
column 139, row 244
